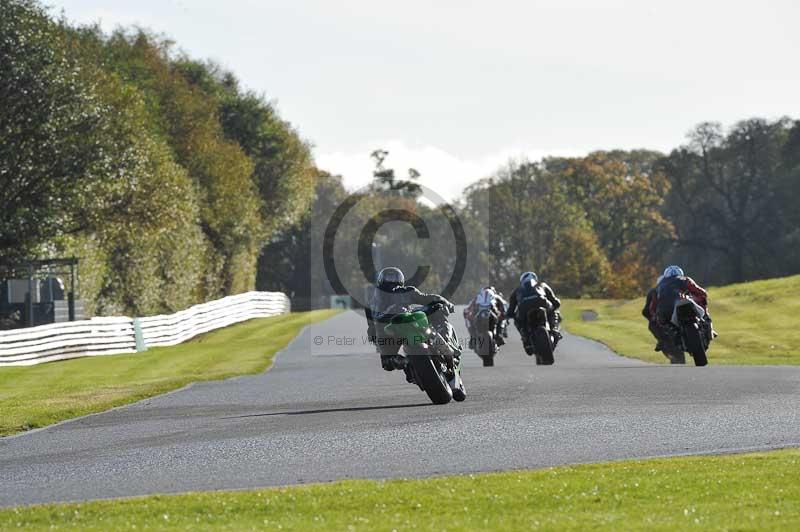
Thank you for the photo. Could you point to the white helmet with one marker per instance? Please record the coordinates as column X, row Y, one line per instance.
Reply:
column 526, row 277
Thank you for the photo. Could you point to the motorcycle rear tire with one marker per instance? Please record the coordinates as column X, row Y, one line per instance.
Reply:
column 694, row 344
column 485, row 345
column 543, row 346
column 488, row 361
column 431, row 380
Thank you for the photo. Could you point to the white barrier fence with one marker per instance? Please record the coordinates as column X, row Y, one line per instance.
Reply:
column 111, row 336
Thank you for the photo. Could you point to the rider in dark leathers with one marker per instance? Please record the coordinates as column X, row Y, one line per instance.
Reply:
column 531, row 294
column 649, row 313
column 388, row 299
column 672, row 286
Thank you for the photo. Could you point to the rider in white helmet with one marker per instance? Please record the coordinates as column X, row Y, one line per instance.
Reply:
column 488, row 296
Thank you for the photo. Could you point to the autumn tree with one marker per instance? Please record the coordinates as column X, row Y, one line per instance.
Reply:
column 533, row 226
column 621, row 194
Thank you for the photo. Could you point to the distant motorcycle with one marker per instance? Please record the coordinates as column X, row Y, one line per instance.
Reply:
column 689, row 331
column 542, row 339
column 484, row 343
column 431, row 361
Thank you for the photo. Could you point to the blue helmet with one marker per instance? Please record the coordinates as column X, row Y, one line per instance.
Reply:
column 528, row 276
column 673, row 271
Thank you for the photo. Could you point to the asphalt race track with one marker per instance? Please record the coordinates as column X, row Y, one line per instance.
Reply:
column 330, row 412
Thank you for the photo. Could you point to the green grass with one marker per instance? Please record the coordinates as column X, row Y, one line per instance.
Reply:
column 759, row 491
column 36, row 396
column 757, row 323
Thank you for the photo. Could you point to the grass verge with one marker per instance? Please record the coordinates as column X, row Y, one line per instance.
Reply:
column 36, row 396
column 759, row 491
column 757, row 323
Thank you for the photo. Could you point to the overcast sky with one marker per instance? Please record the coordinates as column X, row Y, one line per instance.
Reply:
column 456, row 87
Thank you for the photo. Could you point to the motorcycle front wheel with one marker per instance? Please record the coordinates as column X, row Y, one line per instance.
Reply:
column 543, row 346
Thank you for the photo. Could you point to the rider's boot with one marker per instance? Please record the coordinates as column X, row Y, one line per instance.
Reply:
column 498, row 338
column 456, row 384
column 527, row 347
column 393, row 362
column 554, row 318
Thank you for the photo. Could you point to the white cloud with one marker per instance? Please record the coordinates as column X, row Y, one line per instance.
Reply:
column 443, row 172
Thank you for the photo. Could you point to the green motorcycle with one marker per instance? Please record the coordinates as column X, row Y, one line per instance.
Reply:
column 433, row 361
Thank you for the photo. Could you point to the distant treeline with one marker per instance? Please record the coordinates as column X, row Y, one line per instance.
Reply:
column 160, row 172
column 724, row 206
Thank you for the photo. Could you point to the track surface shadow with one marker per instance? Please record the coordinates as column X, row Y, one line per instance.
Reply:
column 330, row 410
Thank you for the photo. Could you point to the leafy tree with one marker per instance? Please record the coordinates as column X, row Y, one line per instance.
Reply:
column 386, row 181
column 290, row 263
column 577, row 266
column 189, row 121
column 788, row 193
column 284, row 170
column 533, row 226
column 61, row 167
column 621, row 194
column 146, row 256
column 725, row 199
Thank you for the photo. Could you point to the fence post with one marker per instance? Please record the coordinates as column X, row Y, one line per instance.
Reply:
column 29, row 299
column 141, row 346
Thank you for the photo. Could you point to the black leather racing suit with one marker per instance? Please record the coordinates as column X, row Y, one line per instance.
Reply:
column 530, row 296
column 670, row 290
column 648, row 312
